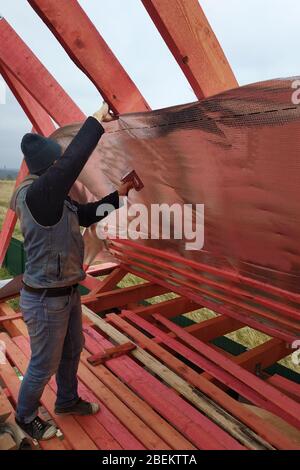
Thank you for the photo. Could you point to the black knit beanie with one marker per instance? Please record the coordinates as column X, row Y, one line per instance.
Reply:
column 39, row 152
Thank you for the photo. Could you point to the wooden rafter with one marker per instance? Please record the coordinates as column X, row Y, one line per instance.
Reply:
column 21, row 62
column 134, row 415
column 189, row 36
column 81, row 40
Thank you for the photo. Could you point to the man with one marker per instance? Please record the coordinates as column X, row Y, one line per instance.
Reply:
column 49, row 300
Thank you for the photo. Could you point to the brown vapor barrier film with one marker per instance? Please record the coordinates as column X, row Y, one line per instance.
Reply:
column 238, row 153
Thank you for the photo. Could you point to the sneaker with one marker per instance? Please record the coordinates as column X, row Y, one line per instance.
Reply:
column 38, row 429
column 82, row 408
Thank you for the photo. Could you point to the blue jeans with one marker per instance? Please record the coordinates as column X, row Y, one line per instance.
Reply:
column 56, row 339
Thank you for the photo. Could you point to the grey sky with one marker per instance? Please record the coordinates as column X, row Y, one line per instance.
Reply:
column 260, row 39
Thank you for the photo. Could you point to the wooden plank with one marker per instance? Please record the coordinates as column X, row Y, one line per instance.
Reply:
column 12, row 382
column 10, row 317
column 186, row 419
column 124, row 414
column 202, row 361
column 76, row 436
column 14, row 327
column 168, row 308
column 137, row 426
column 205, row 330
column 291, row 433
column 213, row 328
column 259, row 358
column 114, row 351
column 189, row 36
column 287, row 386
column 209, row 426
column 263, row 355
column 91, row 424
column 139, row 407
column 286, row 407
column 268, row 433
column 212, row 410
column 110, row 434
column 112, row 423
column 121, row 297
column 91, row 54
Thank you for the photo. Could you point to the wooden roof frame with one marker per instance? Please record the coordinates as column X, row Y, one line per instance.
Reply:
column 186, row 31
column 199, row 55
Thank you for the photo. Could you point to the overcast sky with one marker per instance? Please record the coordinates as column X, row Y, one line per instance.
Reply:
column 260, row 39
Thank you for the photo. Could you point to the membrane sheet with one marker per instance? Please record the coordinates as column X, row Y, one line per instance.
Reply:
column 238, row 153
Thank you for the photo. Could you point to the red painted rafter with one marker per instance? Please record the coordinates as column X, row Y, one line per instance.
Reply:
column 283, row 405
column 189, row 36
column 81, row 40
column 214, row 271
column 21, row 62
column 273, row 322
column 36, row 114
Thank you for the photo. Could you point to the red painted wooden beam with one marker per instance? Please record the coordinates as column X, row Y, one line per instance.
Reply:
column 36, row 114
column 283, row 405
column 81, row 40
column 20, row 61
column 189, row 36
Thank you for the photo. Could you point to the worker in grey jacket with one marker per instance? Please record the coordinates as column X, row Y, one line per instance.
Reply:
column 50, row 301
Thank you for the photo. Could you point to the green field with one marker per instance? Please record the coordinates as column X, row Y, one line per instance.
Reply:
column 245, row 336
column 6, row 191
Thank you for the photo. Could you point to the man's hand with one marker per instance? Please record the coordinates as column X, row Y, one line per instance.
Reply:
column 124, row 188
column 104, row 114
